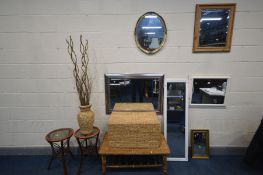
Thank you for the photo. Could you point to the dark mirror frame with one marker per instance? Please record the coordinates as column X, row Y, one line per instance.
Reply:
column 147, row 76
column 227, row 47
column 150, row 52
column 207, row 149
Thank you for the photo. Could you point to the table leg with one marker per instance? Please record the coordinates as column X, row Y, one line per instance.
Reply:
column 63, row 158
column 81, row 156
column 164, row 165
column 69, row 150
column 52, row 156
column 103, row 164
column 50, row 162
column 96, row 144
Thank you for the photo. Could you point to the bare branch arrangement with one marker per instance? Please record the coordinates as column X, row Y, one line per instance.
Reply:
column 82, row 78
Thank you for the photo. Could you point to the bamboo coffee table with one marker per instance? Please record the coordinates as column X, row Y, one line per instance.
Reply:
column 133, row 157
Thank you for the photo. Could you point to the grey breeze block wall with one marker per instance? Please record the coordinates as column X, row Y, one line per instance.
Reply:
column 37, row 92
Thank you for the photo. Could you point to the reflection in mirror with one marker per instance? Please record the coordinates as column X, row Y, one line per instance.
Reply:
column 142, row 88
column 200, row 143
column 150, row 33
column 176, row 120
column 209, row 91
column 213, row 27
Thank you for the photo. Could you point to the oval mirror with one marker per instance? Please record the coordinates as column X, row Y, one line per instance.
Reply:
column 150, row 33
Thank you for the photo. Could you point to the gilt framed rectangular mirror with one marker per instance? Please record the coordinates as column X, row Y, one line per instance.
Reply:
column 213, row 27
column 200, row 143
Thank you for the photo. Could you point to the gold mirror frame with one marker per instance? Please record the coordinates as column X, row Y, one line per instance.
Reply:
column 150, row 52
column 227, row 47
column 207, row 150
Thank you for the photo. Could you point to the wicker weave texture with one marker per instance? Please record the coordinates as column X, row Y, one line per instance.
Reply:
column 133, row 107
column 134, row 129
column 106, row 149
column 136, row 142
column 140, row 118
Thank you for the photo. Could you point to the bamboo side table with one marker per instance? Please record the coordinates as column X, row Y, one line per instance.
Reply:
column 133, row 157
column 59, row 142
column 87, row 145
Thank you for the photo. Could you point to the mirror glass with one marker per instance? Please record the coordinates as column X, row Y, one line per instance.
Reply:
column 142, row 88
column 200, row 143
column 213, row 27
column 209, row 90
column 150, row 33
column 176, row 120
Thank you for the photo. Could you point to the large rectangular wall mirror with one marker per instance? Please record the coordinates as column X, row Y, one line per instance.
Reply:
column 176, row 118
column 209, row 90
column 140, row 88
column 213, row 27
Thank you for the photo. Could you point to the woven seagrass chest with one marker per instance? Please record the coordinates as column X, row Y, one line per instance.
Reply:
column 134, row 125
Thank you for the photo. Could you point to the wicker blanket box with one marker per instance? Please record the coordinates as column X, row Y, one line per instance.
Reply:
column 134, row 125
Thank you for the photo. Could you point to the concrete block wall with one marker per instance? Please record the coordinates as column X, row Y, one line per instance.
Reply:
column 37, row 92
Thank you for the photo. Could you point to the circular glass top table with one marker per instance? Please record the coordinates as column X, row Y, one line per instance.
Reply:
column 88, row 144
column 59, row 142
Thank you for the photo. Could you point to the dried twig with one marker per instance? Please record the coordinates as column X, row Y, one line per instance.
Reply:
column 82, row 78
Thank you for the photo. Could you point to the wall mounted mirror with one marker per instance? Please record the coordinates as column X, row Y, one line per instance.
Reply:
column 150, row 33
column 209, row 91
column 140, row 88
column 213, row 27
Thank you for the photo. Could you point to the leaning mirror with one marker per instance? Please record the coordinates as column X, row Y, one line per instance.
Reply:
column 176, row 118
column 200, row 143
column 213, row 27
column 150, row 33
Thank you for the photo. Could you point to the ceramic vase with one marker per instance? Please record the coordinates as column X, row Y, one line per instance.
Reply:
column 85, row 119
